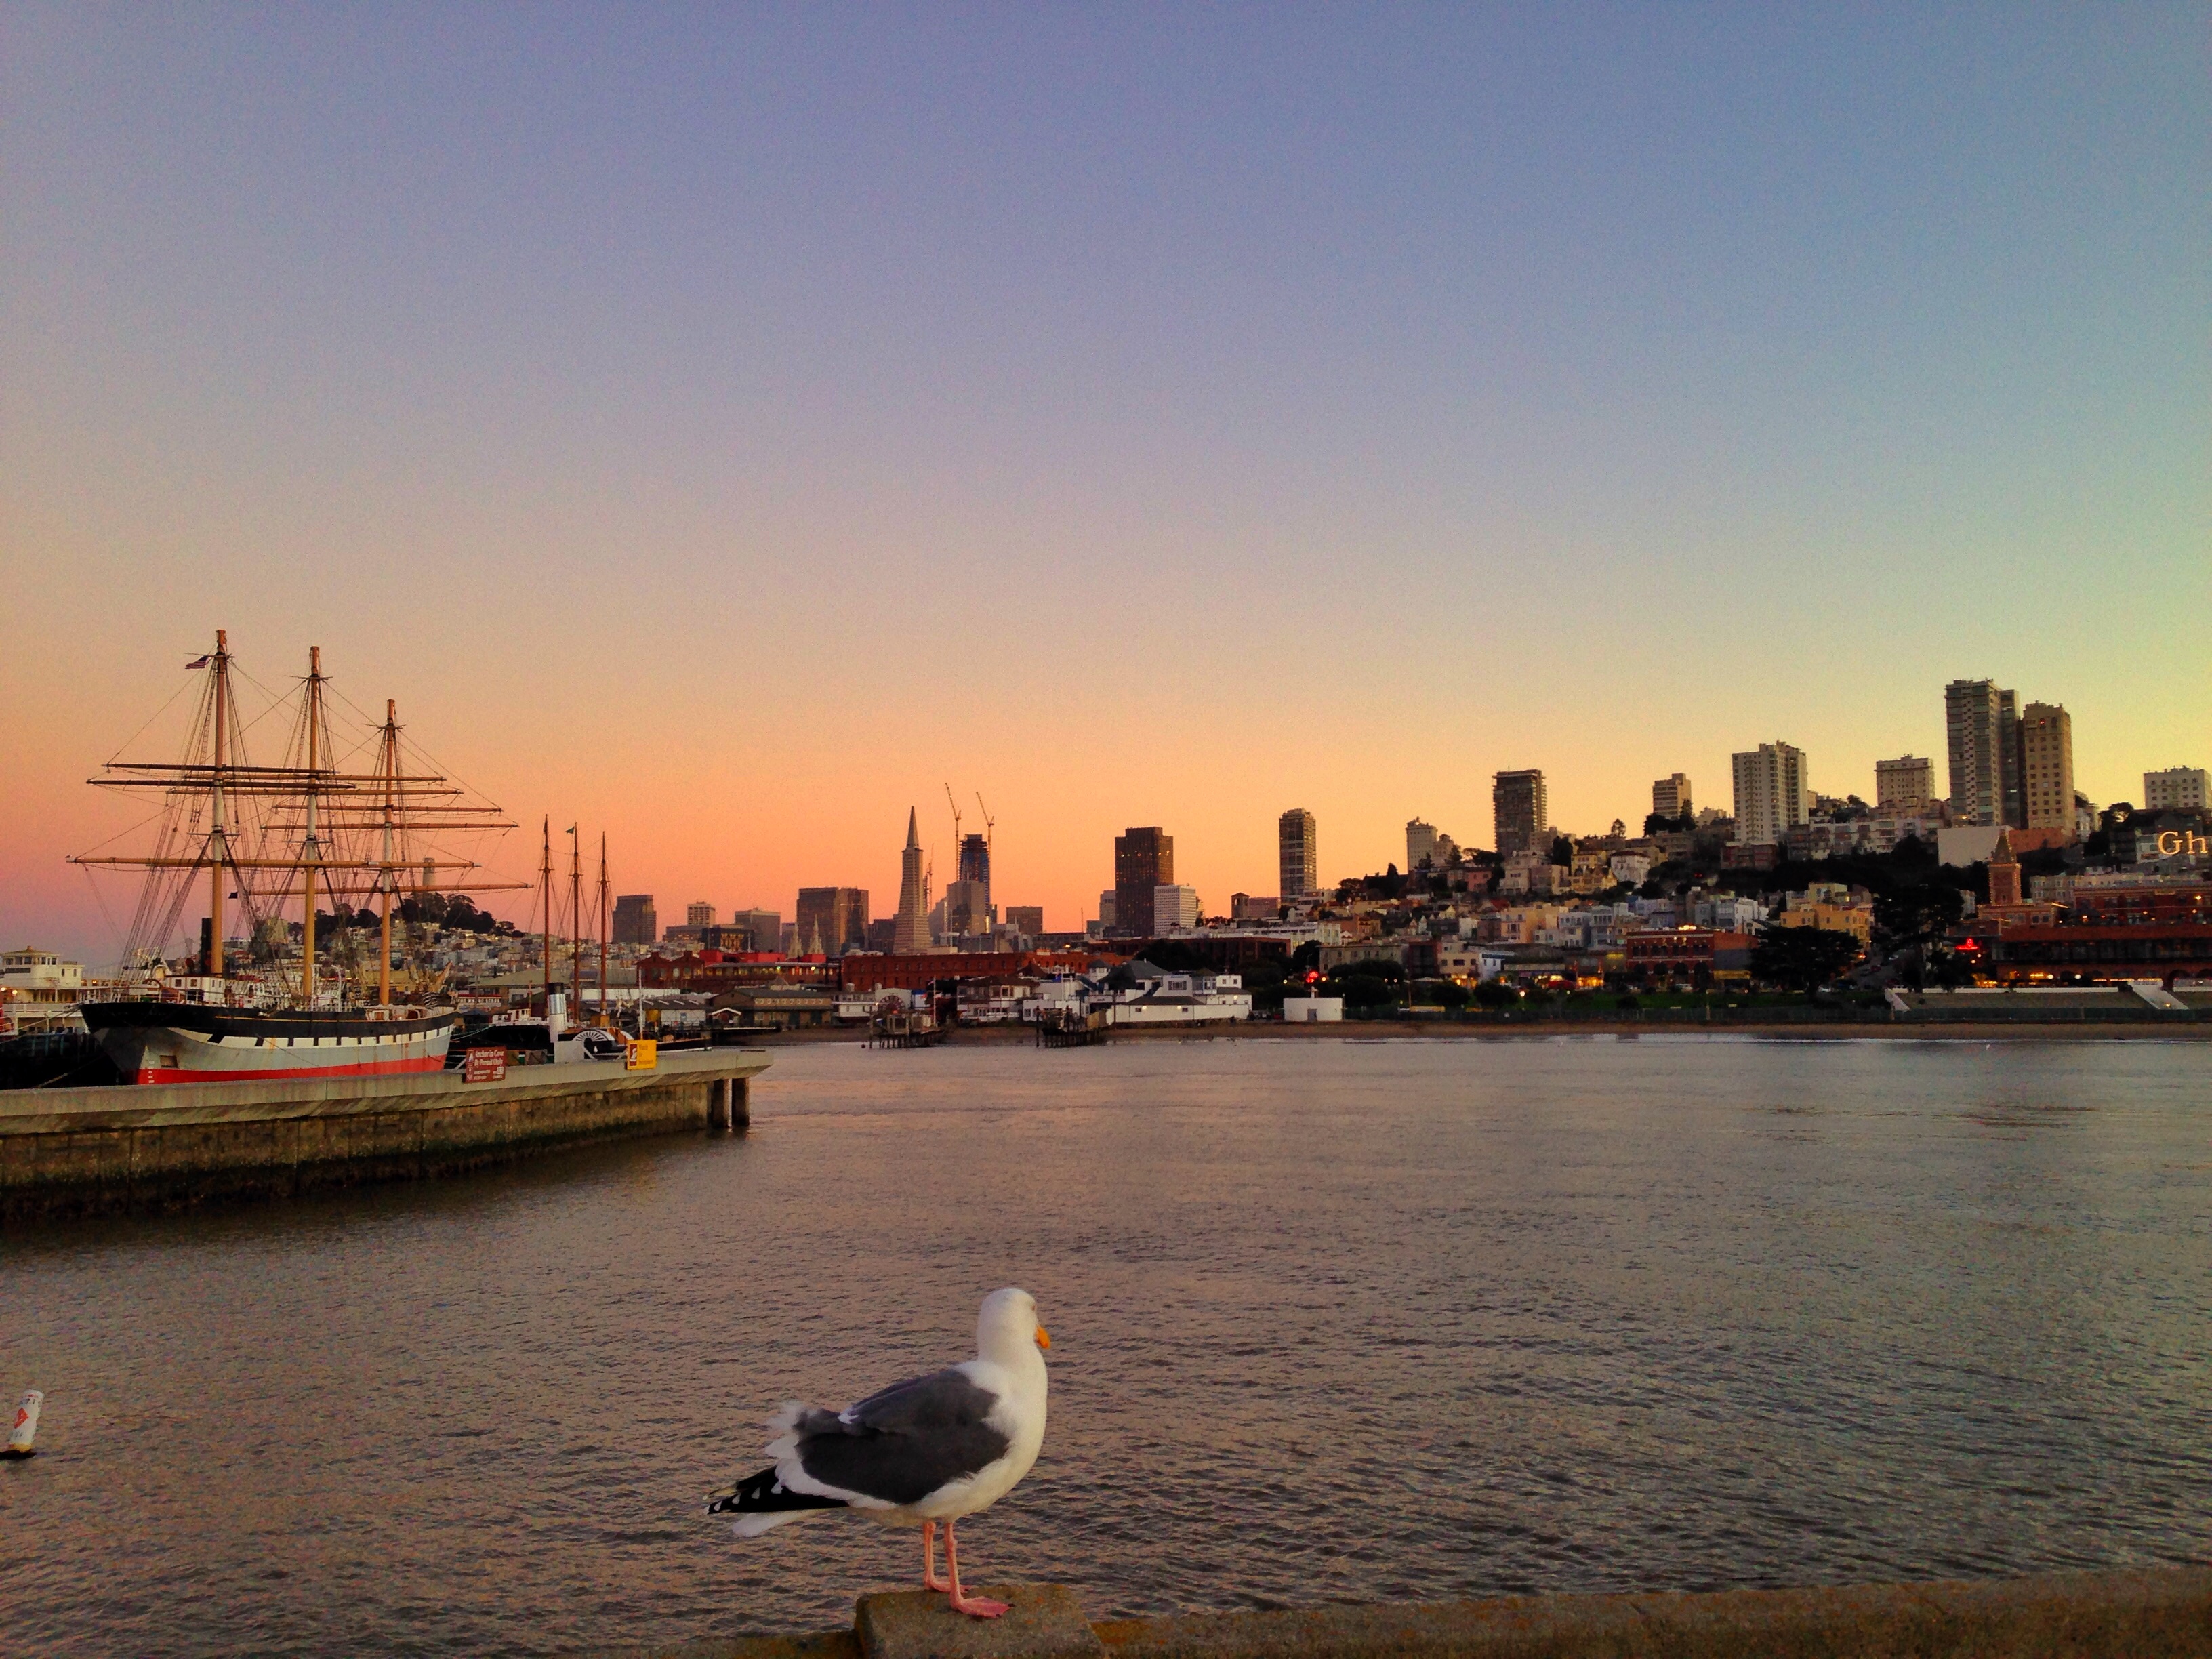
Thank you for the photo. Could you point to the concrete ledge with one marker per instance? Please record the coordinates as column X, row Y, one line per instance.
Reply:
column 2157, row 1614
column 70, row 1151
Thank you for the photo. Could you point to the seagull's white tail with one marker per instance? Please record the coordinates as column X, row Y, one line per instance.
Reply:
column 752, row 1525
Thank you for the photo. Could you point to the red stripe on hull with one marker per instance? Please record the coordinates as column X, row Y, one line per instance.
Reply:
column 280, row 1074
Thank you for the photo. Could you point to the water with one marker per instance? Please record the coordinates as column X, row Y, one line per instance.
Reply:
column 1333, row 1318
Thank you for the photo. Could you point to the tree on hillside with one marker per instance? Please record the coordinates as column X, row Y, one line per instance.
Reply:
column 1802, row 958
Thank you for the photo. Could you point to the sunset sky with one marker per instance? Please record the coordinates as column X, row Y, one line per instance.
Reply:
column 725, row 426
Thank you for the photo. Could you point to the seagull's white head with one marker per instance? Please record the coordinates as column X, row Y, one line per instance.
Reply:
column 1008, row 1325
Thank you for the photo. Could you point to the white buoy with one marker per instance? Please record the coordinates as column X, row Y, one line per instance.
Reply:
column 27, row 1424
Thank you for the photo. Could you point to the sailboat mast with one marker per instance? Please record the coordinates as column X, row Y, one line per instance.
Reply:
column 577, row 921
column 309, row 849
column 545, row 892
column 603, row 1019
column 218, row 842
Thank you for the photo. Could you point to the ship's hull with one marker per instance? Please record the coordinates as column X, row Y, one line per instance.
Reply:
column 186, row 1042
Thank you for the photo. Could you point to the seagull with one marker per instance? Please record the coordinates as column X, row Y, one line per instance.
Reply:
column 930, row 1448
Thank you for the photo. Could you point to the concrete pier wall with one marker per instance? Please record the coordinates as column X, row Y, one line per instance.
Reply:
column 2158, row 1614
column 68, row 1151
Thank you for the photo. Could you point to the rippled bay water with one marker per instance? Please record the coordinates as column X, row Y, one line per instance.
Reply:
column 1330, row 1319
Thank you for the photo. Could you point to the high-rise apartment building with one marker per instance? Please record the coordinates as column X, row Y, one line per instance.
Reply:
column 911, row 935
column 635, row 921
column 1981, row 736
column 1420, row 844
column 1299, row 859
column 2046, row 768
column 1771, row 795
column 699, row 914
column 2177, row 788
column 1904, row 784
column 1174, row 906
column 837, row 916
column 1522, row 816
column 1143, row 860
column 1670, row 796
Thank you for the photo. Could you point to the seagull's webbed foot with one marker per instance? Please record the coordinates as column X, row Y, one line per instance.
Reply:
column 929, row 1578
column 975, row 1606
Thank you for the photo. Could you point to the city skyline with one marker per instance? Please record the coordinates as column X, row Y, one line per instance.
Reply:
column 1300, row 408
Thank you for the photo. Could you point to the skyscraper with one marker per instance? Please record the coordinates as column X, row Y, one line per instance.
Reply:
column 1298, row 843
column 1521, row 815
column 837, row 916
column 969, row 897
column 1143, row 860
column 763, row 929
column 635, row 921
column 2046, row 768
column 911, row 936
column 1981, row 736
column 1771, row 795
column 698, row 913
column 1670, row 796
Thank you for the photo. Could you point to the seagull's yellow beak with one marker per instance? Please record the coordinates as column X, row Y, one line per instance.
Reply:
column 1044, row 1337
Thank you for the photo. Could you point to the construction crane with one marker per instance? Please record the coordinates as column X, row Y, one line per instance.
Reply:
column 956, row 818
column 989, row 822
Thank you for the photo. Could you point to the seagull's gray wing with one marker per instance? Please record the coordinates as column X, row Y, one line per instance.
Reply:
column 901, row 1444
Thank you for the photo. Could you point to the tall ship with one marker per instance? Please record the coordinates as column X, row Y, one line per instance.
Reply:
column 263, row 842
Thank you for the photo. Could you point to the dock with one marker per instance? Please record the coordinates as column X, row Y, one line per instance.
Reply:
column 159, row 1146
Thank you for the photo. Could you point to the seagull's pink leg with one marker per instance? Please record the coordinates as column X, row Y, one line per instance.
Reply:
column 975, row 1606
column 929, row 1578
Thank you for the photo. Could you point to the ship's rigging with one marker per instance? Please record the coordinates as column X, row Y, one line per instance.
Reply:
column 317, row 828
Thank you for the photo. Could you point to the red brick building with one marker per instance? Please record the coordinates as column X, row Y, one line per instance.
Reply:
column 1692, row 956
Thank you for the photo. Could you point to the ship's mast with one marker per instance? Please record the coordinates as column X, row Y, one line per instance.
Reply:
column 310, row 847
column 218, row 842
column 389, row 759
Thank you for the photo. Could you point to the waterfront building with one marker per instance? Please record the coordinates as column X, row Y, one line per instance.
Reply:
column 1771, row 795
column 699, row 914
column 1670, row 796
column 1298, row 853
column 1981, row 736
column 833, row 919
column 635, row 921
column 1904, row 784
column 910, row 935
column 2046, row 768
column 1144, row 859
column 1520, row 811
column 1420, row 844
column 1174, row 905
column 2178, row 788
column 38, row 991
